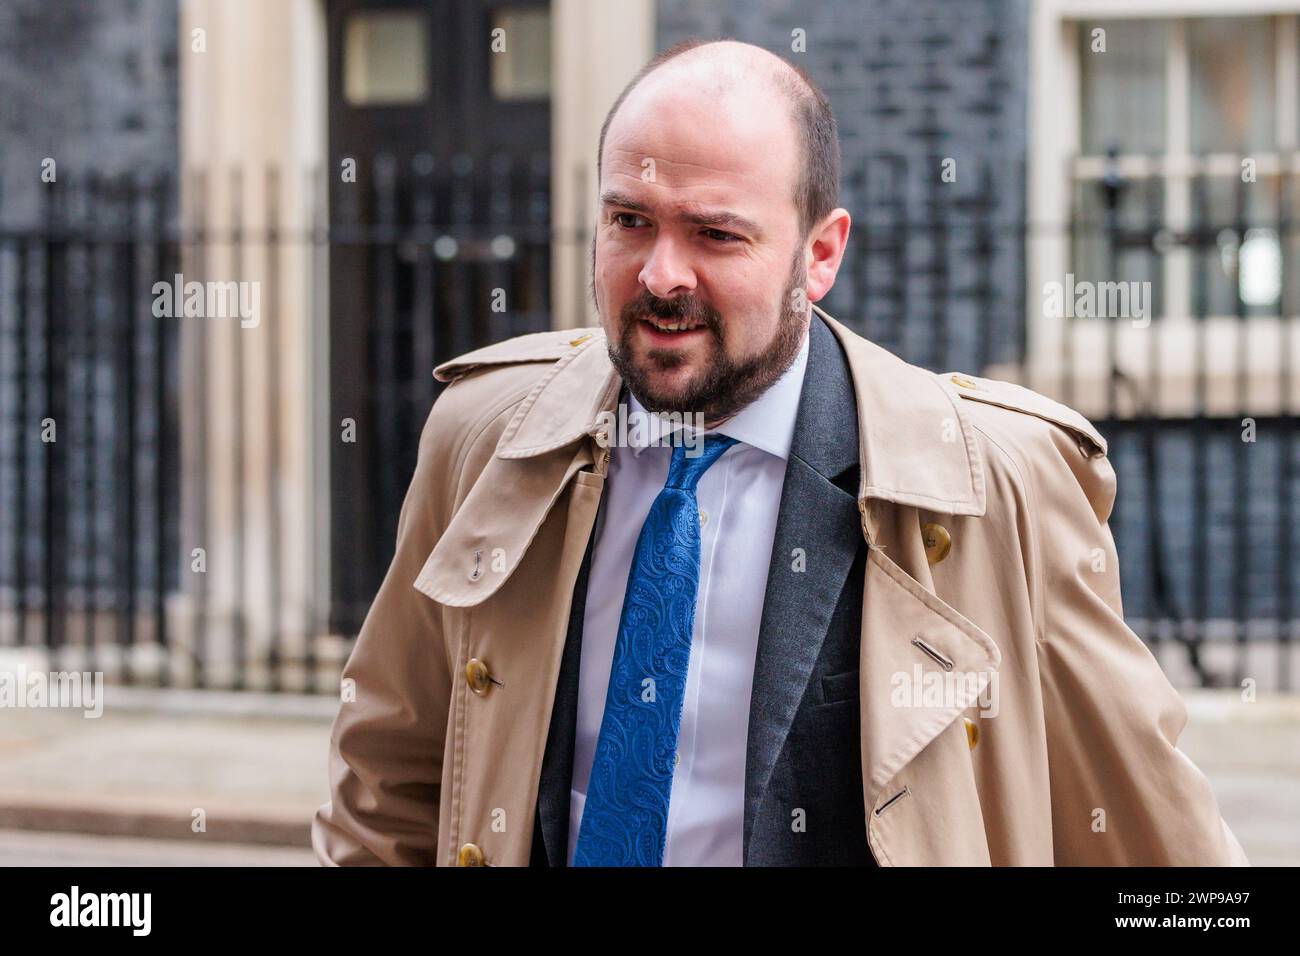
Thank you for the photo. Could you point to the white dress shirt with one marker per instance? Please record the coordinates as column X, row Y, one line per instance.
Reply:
column 739, row 497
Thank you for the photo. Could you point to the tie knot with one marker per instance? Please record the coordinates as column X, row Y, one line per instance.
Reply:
column 685, row 470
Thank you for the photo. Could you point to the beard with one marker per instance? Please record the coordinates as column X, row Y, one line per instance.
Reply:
column 724, row 386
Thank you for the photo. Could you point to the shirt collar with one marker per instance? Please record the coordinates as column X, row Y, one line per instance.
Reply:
column 767, row 423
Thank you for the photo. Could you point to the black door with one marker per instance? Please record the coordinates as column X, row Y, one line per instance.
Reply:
column 439, row 235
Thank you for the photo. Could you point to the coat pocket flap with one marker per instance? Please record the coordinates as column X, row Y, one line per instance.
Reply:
column 489, row 534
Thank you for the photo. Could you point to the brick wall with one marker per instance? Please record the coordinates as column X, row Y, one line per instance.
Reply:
column 90, row 83
column 933, row 269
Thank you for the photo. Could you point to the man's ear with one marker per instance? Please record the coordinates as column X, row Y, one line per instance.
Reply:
column 826, row 246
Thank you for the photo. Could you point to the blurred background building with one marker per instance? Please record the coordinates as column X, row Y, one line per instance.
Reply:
column 409, row 179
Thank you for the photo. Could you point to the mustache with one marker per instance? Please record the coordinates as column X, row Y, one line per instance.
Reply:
column 683, row 307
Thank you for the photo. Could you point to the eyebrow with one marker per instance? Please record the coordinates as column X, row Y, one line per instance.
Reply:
column 711, row 218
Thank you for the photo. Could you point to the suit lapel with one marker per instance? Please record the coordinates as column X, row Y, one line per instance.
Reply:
column 819, row 520
column 554, row 788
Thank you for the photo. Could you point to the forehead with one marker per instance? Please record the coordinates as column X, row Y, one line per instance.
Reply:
column 714, row 145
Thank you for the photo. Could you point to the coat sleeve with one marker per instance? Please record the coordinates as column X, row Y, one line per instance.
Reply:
column 1122, row 792
column 386, row 746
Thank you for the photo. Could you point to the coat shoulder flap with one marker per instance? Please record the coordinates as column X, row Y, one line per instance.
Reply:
column 535, row 347
column 1017, row 398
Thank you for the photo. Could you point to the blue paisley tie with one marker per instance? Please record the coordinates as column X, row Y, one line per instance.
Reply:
column 625, row 819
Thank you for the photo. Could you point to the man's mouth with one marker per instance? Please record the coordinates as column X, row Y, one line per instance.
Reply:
column 672, row 325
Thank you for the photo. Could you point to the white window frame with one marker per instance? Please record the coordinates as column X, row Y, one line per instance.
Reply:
column 1170, row 342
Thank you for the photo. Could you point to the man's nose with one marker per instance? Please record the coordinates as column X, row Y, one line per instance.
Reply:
column 668, row 270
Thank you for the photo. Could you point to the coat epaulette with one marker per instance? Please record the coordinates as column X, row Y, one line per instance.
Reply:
column 1020, row 399
column 534, row 347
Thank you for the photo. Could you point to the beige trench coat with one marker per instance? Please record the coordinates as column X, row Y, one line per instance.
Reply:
column 1012, row 586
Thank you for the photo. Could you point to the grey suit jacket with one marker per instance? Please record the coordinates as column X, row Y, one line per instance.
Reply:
column 803, row 774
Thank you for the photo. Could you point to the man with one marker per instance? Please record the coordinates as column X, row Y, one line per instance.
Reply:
column 865, row 615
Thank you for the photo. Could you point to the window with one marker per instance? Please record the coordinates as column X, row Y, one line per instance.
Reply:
column 384, row 58
column 1165, row 149
column 1124, row 95
column 1186, row 112
column 1232, row 78
column 522, row 71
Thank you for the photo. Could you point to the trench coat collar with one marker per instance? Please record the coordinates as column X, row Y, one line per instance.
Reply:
column 899, row 407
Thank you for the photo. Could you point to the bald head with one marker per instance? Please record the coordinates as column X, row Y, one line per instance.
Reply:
column 723, row 70
column 719, row 67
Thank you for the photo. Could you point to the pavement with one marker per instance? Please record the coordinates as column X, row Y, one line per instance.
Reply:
column 205, row 767
column 39, row 848
column 212, row 778
column 1251, row 754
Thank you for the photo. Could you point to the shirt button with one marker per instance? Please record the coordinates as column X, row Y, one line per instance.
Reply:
column 704, row 517
column 677, row 758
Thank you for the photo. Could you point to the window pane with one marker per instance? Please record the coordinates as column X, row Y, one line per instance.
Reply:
column 522, row 71
column 1232, row 73
column 1123, row 86
column 1128, row 252
column 384, row 60
column 1239, row 261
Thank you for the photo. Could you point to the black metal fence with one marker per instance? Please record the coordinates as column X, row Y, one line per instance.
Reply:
column 425, row 264
column 88, row 379
column 99, row 400
column 1205, row 518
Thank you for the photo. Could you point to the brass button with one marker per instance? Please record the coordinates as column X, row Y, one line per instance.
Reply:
column 972, row 732
column 470, row 855
column 477, row 676
column 579, row 340
column 937, row 542
column 963, row 382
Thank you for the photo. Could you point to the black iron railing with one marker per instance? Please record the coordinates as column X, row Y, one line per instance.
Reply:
column 104, row 431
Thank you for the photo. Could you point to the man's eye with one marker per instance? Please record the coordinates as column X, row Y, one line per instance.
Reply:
column 619, row 218
column 721, row 236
